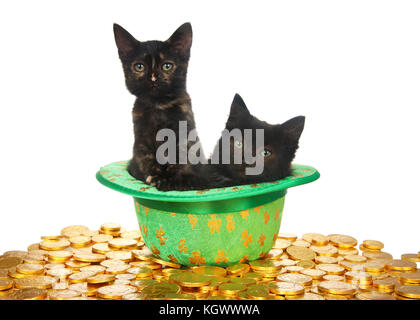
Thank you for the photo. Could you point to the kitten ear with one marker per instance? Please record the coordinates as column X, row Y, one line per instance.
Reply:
column 126, row 43
column 293, row 128
column 238, row 107
column 181, row 39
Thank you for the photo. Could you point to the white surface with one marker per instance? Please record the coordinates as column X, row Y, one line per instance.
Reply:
column 351, row 67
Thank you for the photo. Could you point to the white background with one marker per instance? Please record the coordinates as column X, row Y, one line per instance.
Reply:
column 351, row 67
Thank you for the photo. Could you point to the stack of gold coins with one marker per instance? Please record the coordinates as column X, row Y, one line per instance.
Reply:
column 112, row 263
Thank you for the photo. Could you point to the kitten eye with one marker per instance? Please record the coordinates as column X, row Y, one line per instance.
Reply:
column 139, row 67
column 167, row 66
column 238, row 144
column 266, row 153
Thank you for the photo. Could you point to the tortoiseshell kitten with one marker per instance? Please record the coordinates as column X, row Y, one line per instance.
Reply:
column 280, row 145
column 155, row 72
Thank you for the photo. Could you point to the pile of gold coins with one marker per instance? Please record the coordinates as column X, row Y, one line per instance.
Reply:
column 112, row 263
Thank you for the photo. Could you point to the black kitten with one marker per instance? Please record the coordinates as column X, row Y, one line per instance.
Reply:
column 155, row 72
column 280, row 145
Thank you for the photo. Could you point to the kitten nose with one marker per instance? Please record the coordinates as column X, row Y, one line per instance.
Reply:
column 153, row 78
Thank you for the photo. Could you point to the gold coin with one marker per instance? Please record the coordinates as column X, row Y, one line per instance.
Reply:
column 302, row 279
column 122, row 243
column 101, row 238
column 60, row 285
column 316, row 239
column 237, row 268
column 15, row 253
column 80, row 241
column 143, row 254
column 408, row 291
column 401, row 265
column 100, row 278
column 115, row 291
column 63, row 294
column 134, row 234
column 301, row 243
column 336, row 287
column 308, row 296
column 326, row 259
column 346, row 252
column 113, row 263
column 3, row 273
column 398, row 297
column 410, row 257
column 54, row 245
column 117, row 269
column 28, row 294
column 162, row 288
column 385, row 284
column 189, row 279
column 93, row 268
column 287, row 236
column 300, row 253
column 119, row 255
column 253, row 275
column 29, row 268
column 244, row 281
column 352, row 266
column 257, row 292
column 140, row 272
column 373, row 244
column 101, row 247
column 110, row 226
column 59, row 255
column 358, row 276
column 231, row 289
column 72, row 231
column 282, row 244
column 180, row 296
column 6, row 284
column 315, row 274
column 140, row 284
column 377, row 255
column 34, row 258
column 342, row 241
column 331, row 268
column 293, row 269
column 165, row 263
column 134, row 296
column 333, row 277
column 9, row 262
column 287, row 262
column 286, row 288
column 81, row 276
column 89, row 257
column 212, row 271
column 305, row 264
column 59, row 273
column 39, row 282
column 83, row 288
column 274, row 254
column 147, row 264
column 74, row 265
column 328, row 250
column 265, row 265
column 355, row 258
column 373, row 266
column 410, row 278
column 51, row 237
column 32, row 247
